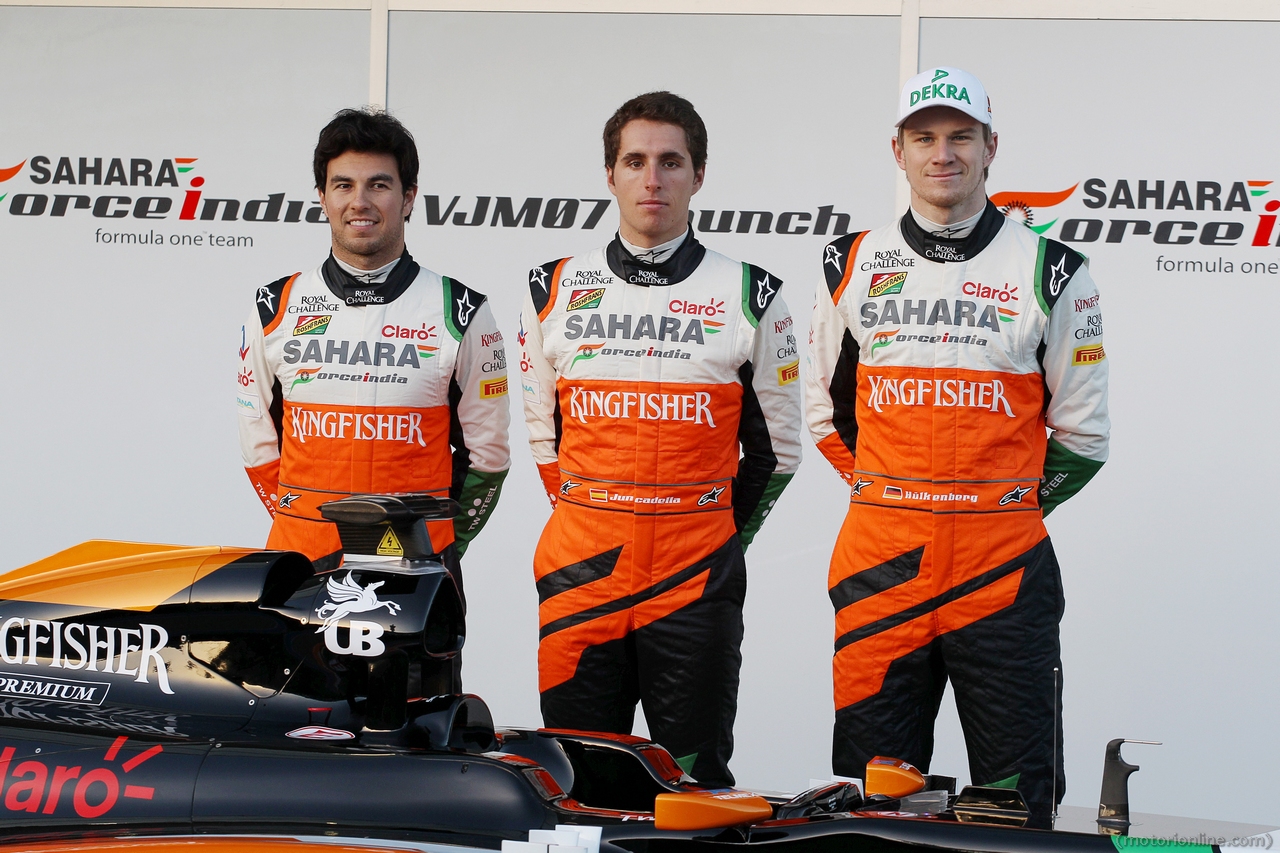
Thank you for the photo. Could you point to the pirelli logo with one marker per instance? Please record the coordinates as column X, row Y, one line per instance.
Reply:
column 490, row 388
column 312, row 325
column 580, row 299
column 1088, row 355
column 789, row 373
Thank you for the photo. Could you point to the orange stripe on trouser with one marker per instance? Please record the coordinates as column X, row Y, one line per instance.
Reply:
column 558, row 654
column 576, row 533
column 957, row 548
column 859, row 669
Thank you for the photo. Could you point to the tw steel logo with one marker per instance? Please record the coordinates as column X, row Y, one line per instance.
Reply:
column 32, row 785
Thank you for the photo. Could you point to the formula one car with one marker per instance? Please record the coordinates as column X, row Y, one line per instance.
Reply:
column 206, row 696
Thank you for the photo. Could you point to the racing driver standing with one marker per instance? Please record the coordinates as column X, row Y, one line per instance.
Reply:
column 942, row 347
column 370, row 373
column 660, row 385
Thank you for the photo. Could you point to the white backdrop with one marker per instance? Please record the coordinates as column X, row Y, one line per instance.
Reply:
column 118, row 422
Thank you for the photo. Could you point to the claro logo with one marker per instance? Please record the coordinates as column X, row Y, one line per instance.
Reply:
column 32, row 785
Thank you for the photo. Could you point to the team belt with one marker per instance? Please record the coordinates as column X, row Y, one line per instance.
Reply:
column 945, row 496
column 646, row 498
column 301, row 502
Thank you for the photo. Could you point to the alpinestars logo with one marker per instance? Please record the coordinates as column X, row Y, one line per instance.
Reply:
column 538, row 276
column 1058, row 276
column 465, row 308
column 860, row 485
column 833, row 257
column 1014, row 495
column 567, row 485
column 267, row 298
column 346, row 596
column 711, row 497
column 764, row 290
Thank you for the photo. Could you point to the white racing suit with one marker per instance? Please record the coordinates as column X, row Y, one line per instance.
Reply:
column 663, row 404
column 935, row 366
column 347, row 388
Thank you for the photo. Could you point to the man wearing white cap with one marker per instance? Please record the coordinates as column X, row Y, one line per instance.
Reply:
column 957, row 380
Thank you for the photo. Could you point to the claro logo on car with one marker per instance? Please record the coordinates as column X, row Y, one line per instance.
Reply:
column 90, row 789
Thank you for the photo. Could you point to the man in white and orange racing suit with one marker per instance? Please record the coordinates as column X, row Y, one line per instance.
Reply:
column 370, row 373
column 660, row 384
column 942, row 347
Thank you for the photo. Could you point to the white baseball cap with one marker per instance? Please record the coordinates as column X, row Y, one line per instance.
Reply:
column 942, row 86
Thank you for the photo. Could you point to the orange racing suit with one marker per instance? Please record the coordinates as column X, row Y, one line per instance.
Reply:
column 935, row 366
column 663, row 405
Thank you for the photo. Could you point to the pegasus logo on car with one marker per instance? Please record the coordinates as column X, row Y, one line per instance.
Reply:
column 346, row 596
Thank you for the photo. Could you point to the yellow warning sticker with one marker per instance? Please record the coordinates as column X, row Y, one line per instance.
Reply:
column 390, row 546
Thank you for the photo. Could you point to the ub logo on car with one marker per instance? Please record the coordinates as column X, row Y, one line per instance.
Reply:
column 346, row 596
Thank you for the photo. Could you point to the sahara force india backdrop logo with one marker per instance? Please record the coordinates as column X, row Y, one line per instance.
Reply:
column 1158, row 211
column 130, row 194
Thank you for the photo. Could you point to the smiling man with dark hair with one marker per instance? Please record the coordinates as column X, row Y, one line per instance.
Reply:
column 370, row 373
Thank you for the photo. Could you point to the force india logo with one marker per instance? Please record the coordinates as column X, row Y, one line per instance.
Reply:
column 1172, row 204
column 346, row 596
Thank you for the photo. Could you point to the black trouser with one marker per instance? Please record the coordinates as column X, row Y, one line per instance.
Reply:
column 682, row 668
column 1002, row 671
